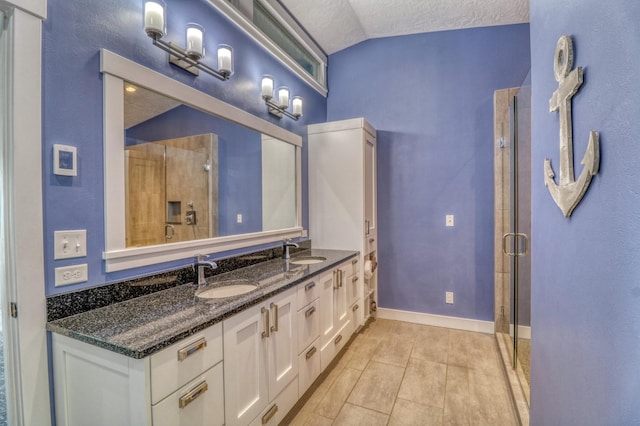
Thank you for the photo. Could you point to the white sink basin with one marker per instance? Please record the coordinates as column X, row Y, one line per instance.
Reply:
column 234, row 288
column 307, row 260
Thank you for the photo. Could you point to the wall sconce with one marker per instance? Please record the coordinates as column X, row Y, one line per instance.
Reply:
column 189, row 58
column 279, row 106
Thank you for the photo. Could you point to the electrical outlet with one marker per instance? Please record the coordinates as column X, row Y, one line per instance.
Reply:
column 448, row 220
column 239, row 218
column 449, row 297
column 71, row 274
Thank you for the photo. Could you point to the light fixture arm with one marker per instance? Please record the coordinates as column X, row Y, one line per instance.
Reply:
column 278, row 110
column 186, row 62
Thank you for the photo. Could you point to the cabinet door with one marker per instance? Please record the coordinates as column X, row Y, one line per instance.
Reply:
column 340, row 295
column 282, row 354
column 245, row 367
column 328, row 325
column 370, row 217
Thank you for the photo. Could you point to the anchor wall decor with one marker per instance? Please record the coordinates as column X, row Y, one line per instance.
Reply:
column 569, row 191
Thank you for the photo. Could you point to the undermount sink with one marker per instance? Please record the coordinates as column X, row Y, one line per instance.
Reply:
column 228, row 289
column 307, row 260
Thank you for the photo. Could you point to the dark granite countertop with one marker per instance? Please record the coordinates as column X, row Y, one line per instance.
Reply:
column 142, row 326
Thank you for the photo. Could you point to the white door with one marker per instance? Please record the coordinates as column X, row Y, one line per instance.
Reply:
column 21, row 241
column 245, row 339
column 283, row 342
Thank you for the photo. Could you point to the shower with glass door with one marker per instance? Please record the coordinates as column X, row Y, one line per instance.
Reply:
column 512, row 169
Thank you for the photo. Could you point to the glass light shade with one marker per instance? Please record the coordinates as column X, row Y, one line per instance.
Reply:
column 267, row 87
column 154, row 18
column 283, row 97
column 296, row 105
column 225, row 59
column 195, row 41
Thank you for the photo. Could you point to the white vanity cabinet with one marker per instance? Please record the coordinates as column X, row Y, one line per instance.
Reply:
column 180, row 385
column 260, row 348
column 342, row 198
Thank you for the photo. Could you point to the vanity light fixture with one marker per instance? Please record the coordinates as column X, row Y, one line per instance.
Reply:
column 189, row 58
column 279, row 106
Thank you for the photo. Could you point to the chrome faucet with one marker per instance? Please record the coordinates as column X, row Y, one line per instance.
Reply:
column 199, row 263
column 285, row 248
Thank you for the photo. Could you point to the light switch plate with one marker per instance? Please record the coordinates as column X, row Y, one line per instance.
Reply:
column 448, row 298
column 69, row 244
column 449, row 220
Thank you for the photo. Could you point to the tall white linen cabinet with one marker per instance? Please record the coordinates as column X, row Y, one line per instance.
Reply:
column 342, row 200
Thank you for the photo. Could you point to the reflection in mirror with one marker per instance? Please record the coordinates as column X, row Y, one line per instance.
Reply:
column 190, row 175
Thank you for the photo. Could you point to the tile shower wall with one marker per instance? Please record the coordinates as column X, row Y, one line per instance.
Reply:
column 73, row 34
column 585, row 281
column 431, row 98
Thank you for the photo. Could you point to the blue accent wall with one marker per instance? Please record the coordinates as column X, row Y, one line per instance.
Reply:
column 73, row 35
column 585, row 361
column 430, row 96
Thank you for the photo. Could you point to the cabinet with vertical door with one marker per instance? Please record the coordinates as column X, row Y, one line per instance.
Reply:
column 260, row 344
column 343, row 201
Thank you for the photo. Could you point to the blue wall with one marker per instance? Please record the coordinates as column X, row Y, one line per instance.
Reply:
column 73, row 34
column 586, row 269
column 430, row 96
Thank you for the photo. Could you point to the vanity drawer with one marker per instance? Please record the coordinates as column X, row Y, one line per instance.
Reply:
column 350, row 267
column 308, row 324
column 355, row 313
column 331, row 348
column 370, row 244
column 354, row 284
column 309, row 365
column 308, row 292
column 279, row 407
column 178, row 364
column 200, row 402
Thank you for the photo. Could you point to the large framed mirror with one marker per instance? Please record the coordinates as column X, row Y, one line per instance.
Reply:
column 186, row 173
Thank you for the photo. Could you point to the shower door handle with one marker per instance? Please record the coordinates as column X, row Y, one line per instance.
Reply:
column 517, row 237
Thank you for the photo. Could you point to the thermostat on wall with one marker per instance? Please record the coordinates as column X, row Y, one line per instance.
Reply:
column 65, row 160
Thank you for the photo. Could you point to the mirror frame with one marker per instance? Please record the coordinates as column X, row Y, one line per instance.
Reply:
column 116, row 70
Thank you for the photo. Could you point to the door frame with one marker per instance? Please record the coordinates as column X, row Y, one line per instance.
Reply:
column 25, row 249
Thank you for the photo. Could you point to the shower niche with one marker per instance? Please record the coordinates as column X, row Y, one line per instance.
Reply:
column 171, row 190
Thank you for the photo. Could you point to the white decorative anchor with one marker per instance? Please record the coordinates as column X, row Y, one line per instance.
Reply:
column 568, row 193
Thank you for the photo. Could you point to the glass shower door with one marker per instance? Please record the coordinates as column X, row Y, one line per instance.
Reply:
column 517, row 240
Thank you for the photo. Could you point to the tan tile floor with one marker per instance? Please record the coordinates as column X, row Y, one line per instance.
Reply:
column 398, row 373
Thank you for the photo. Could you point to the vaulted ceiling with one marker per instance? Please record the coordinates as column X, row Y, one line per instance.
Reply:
column 338, row 24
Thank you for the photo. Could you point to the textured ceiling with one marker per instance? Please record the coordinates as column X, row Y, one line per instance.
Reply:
column 338, row 24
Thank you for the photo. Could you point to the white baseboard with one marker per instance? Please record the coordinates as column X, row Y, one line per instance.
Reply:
column 437, row 320
column 524, row 332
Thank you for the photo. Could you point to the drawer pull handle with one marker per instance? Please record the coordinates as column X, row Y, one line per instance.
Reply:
column 274, row 327
column 371, row 240
column 266, row 332
column 338, row 339
column 193, row 394
column 309, row 286
column 355, row 307
column 309, row 312
column 187, row 351
column 354, row 279
column 354, row 261
column 272, row 412
column 311, row 352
